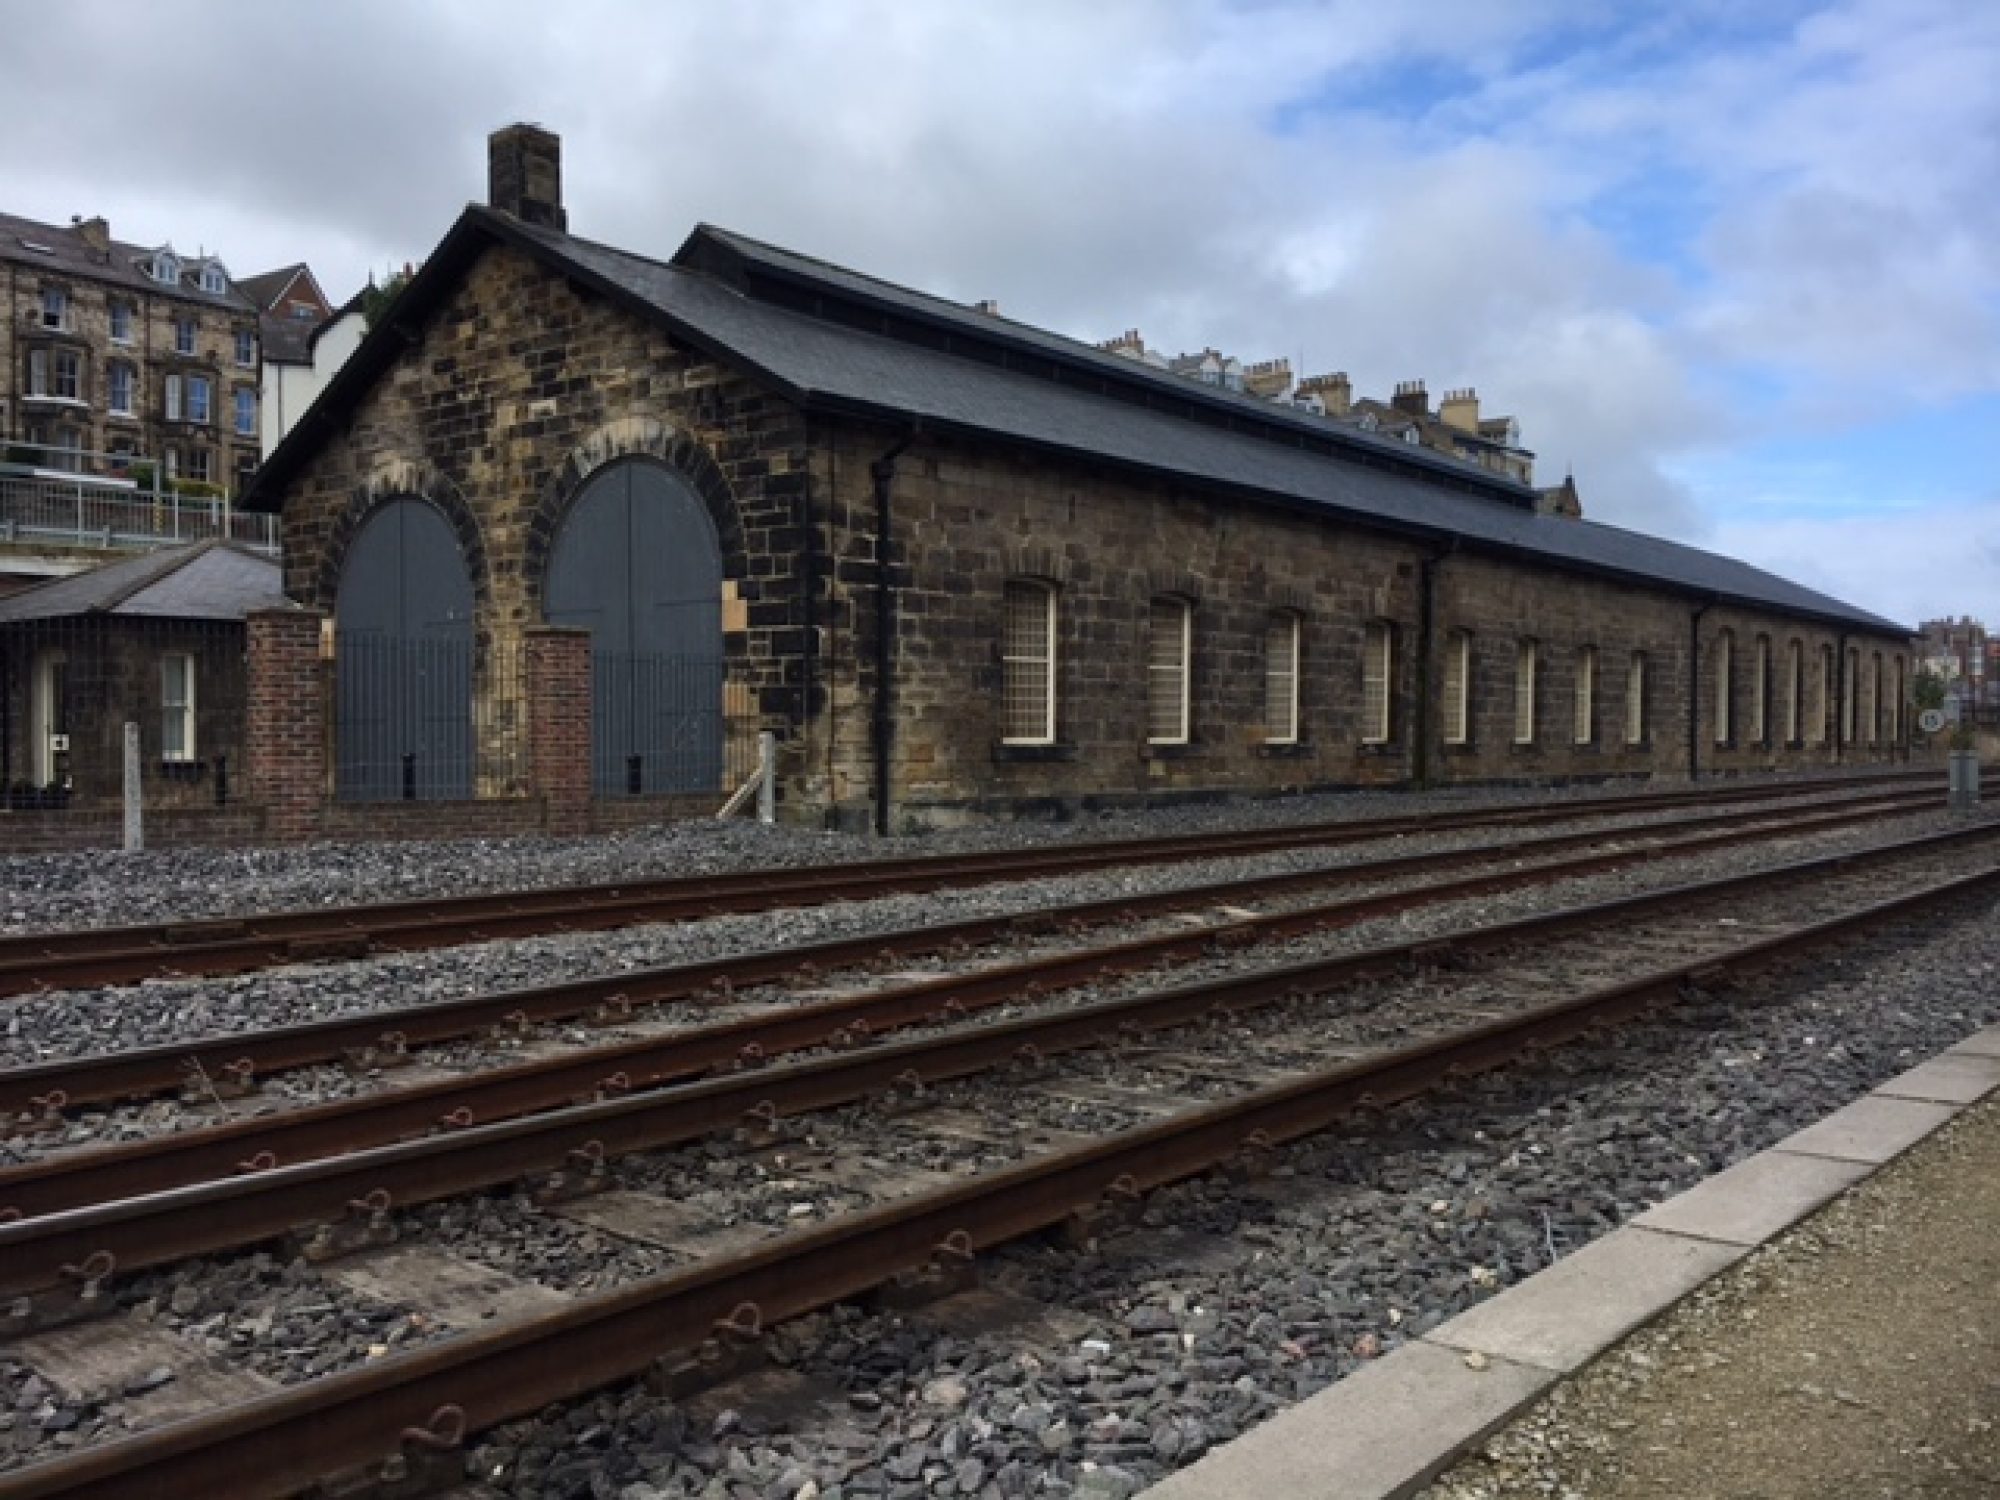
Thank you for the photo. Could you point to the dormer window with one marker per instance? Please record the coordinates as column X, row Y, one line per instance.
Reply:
column 165, row 268
column 211, row 279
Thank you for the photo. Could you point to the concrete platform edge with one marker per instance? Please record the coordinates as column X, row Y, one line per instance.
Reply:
column 1393, row 1426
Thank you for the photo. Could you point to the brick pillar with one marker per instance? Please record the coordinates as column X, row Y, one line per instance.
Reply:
column 285, row 749
column 559, row 709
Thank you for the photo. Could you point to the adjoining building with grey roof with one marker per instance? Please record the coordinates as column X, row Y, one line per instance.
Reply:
column 156, row 640
column 960, row 564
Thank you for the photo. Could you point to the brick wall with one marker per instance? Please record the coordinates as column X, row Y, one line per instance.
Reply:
column 285, row 740
column 559, row 707
column 169, row 828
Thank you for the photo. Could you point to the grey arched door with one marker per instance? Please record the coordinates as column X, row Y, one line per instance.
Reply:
column 403, row 660
column 636, row 562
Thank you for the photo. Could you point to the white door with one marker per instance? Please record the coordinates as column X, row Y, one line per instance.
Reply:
column 49, row 726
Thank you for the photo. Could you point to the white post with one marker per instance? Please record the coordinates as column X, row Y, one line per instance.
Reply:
column 767, row 777
column 135, row 828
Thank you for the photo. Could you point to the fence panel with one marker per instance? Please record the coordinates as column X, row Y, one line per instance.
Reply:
column 658, row 726
column 417, row 720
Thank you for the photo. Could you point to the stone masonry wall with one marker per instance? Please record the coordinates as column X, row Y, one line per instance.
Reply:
column 521, row 386
column 968, row 518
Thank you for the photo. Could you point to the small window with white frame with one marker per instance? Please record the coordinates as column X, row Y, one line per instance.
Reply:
column 246, row 348
column 119, row 314
column 184, row 335
column 1584, row 728
column 1281, row 679
column 1795, row 690
column 121, row 388
column 198, row 403
column 198, row 466
column 1378, row 682
column 177, row 707
column 246, row 411
column 1169, row 644
column 1635, row 699
column 1458, row 688
column 1526, row 665
column 55, row 309
column 1028, row 663
column 210, row 279
column 1760, row 688
column 170, row 397
column 68, row 381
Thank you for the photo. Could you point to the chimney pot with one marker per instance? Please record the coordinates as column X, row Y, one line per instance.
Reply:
column 524, row 175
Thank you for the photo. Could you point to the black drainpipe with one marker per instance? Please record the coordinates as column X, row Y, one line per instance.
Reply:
column 1694, row 689
column 1424, row 718
column 883, row 472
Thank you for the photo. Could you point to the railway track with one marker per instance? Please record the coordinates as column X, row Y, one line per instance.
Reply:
column 635, row 1064
column 425, row 1402
column 92, row 957
column 207, row 1066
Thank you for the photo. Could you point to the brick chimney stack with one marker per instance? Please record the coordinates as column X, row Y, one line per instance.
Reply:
column 96, row 237
column 524, row 175
column 1335, row 391
column 1411, row 398
column 1460, row 409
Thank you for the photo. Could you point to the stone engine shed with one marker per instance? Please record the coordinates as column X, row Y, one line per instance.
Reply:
column 961, row 565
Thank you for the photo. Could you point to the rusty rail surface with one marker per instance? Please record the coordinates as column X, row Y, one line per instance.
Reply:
column 42, row 1089
column 80, row 1178
column 434, row 1397
column 221, row 945
column 361, row 1188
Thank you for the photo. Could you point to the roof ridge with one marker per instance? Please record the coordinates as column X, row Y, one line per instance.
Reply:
column 170, row 561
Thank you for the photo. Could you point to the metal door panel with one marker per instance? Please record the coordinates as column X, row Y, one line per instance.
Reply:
column 403, row 665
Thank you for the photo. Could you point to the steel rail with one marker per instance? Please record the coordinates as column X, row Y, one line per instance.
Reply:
column 431, row 1398
column 37, row 1089
column 268, row 1201
column 117, row 955
column 80, row 1178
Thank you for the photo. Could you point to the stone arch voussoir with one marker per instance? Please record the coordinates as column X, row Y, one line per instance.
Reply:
column 401, row 479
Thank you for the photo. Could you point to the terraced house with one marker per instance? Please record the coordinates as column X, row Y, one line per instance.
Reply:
column 129, row 351
column 960, row 564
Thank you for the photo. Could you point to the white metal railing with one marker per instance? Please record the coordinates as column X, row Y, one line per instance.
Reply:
column 80, row 512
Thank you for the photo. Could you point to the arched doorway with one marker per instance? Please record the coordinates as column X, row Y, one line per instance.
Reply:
column 403, row 660
column 636, row 562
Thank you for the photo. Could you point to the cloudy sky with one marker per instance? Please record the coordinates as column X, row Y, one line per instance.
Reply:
column 1735, row 266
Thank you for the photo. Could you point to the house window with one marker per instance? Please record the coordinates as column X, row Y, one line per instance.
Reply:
column 1458, row 688
column 121, row 320
column 173, row 463
column 55, row 309
column 1876, row 705
column 197, row 399
column 1281, row 680
column 1820, row 729
column 1378, row 673
column 177, row 706
column 68, row 384
column 1760, row 689
column 1169, row 640
column 170, row 397
column 197, row 465
column 119, row 387
column 1635, row 700
column 38, row 372
column 211, row 280
column 1028, row 664
column 1586, row 695
column 246, row 470
column 246, row 411
column 164, row 268
column 246, row 347
column 1725, row 685
column 183, row 335
column 1795, row 690
column 1896, row 707
column 1524, row 693
column 1852, row 686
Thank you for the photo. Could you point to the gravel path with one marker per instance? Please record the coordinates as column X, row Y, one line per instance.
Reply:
column 1854, row 1357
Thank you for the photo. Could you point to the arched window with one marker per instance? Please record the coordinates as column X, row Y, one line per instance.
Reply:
column 1585, row 700
column 1281, row 678
column 1725, row 686
column 1169, row 645
column 1635, row 700
column 1760, row 692
column 1525, row 673
column 1795, row 689
column 1458, row 688
column 1028, row 663
column 1378, row 678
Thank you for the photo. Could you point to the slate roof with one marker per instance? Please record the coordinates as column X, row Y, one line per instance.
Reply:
column 822, row 336
column 212, row 580
column 69, row 256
